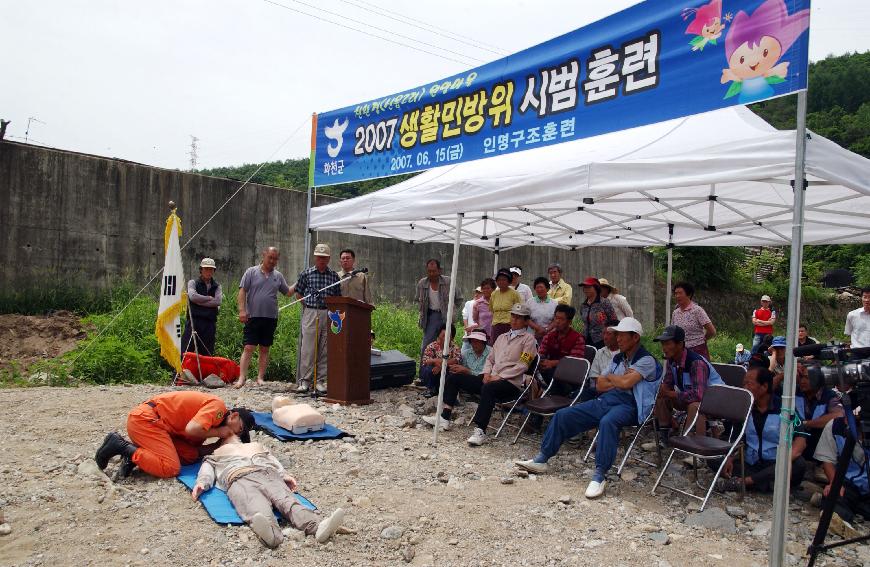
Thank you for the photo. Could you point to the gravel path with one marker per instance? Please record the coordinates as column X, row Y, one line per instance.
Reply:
column 445, row 505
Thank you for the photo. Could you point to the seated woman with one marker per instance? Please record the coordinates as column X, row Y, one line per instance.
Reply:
column 816, row 405
column 762, row 440
column 255, row 481
column 430, row 372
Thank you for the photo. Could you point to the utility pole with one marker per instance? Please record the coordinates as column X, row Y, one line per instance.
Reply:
column 29, row 120
column 193, row 152
column 3, row 125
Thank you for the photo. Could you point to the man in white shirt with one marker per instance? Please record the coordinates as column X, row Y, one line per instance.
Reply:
column 601, row 362
column 858, row 322
column 522, row 289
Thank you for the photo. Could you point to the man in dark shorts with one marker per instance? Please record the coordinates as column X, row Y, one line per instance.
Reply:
column 258, row 310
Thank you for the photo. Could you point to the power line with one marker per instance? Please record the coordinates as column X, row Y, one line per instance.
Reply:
column 425, row 26
column 414, row 47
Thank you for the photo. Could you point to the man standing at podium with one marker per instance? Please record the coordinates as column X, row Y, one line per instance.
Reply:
column 315, row 323
column 357, row 285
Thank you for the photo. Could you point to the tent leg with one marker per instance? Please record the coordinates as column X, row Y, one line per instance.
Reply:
column 495, row 253
column 305, row 256
column 668, row 285
column 447, row 337
column 776, row 557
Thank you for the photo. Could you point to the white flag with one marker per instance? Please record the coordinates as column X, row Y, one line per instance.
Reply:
column 173, row 295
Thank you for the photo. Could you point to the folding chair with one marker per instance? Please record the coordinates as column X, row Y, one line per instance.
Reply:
column 719, row 402
column 571, row 371
column 650, row 419
column 590, row 353
column 732, row 374
column 509, row 406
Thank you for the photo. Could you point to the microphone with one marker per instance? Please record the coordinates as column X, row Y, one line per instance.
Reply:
column 359, row 271
column 808, row 350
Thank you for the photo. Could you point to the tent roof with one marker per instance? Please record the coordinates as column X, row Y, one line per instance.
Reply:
column 721, row 179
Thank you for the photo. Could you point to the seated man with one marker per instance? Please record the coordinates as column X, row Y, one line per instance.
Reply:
column 742, row 356
column 687, row 376
column 503, row 376
column 562, row 341
column 430, row 371
column 169, row 430
column 762, row 439
column 777, row 362
column 626, row 396
column 255, row 481
column 815, row 404
column 601, row 363
column 464, row 375
column 855, row 492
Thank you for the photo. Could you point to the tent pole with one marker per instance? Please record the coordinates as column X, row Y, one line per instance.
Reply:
column 668, row 282
column 776, row 557
column 448, row 339
column 495, row 253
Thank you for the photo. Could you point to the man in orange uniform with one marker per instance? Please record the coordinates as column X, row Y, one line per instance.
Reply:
column 169, row 430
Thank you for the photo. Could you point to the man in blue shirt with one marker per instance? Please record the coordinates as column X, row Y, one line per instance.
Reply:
column 626, row 396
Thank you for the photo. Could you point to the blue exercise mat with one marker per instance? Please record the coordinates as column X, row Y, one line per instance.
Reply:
column 264, row 422
column 217, row 503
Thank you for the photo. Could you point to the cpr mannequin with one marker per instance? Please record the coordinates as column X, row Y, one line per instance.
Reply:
column 298, row 418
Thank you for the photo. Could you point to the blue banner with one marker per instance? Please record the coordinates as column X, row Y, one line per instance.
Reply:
column 655, row 61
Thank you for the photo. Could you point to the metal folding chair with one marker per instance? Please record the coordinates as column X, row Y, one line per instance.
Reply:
column 650, row 420
column 589, row 353
column 509, row 406
column 571, row 371
column 732, row 374
column 719, row 402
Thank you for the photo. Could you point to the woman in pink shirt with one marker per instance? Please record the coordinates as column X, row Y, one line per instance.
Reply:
column 481, row 311
column 693, row 319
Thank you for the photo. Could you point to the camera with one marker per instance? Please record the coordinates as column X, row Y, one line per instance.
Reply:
column 850, row 368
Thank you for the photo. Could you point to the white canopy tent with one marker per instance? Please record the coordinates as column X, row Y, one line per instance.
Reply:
column 723, row 178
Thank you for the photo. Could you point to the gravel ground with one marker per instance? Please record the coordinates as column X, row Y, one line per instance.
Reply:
column 445, row 505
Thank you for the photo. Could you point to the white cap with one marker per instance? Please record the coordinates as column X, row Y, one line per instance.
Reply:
column 629, row 325
column 322, row 250
column 515, row 270
column 765, row 298
column 207, row 263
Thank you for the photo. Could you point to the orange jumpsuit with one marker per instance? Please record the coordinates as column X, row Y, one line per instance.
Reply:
column 157, row 427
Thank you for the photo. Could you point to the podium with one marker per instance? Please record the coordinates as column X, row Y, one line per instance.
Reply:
column 348, row 350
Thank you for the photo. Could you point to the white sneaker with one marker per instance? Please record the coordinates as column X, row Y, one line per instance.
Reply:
column 444, row 424
column 478, row 438
column 532, row 466
column 328, row 526
column 267, row 530
column 321, row 388
column 595, row 489
column 302, row 387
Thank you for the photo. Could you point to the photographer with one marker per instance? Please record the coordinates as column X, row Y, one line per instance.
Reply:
column 855, row 492
column 816, row 405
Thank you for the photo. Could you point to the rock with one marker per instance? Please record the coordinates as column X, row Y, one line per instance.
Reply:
column 507, row 480
column 442, row 476
column 735, row 511
column 361, row 501
column 144, row 551
column 661, row 538
column 713, row 519
column 593, row 543
column 405, row 411
column 5, row 529
column 629, row 476
column 565, row 499
column 521, row 473
column 392, row 532
column 408, row 554
column 647, row 528
column 453, row 542
column 89, row 468
column 293, row 534
column 761, row 529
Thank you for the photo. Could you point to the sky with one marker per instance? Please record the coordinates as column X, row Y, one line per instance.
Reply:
column 135, row 80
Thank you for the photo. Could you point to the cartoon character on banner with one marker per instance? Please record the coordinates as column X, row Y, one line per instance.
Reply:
column 706, row 25
column 754, row 46
column 336, row 321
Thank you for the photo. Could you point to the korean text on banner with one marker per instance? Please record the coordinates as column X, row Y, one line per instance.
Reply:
column 173, row 296
column 655, row 61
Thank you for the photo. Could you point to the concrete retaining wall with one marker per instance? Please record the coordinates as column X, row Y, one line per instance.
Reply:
column 86, row 219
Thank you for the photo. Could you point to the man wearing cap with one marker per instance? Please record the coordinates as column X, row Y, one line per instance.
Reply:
column 467, row 375
column 522, row 289
column 503, row 376
column 687, row 376
column 258, row 310
column 169, row 430
column 315, row 321
column 619, row 302
column 560, row 290
column 777, row 361
column 205, row 296
column 357, row 285
column 763, row 319
column 742, row 356
column 627, row 394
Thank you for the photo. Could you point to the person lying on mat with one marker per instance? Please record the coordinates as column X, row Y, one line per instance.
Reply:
column 626, row 396
column 255, row 481
column 170, row 430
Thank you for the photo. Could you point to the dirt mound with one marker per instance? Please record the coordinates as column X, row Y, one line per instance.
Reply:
column 25, row 339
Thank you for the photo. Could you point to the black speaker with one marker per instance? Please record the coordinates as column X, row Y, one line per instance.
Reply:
column 391, row 369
